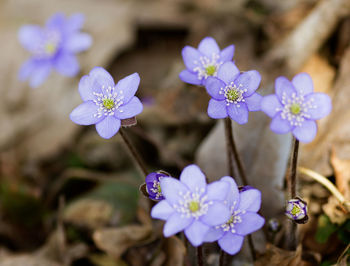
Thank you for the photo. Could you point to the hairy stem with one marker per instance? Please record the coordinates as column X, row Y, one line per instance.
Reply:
column 232, row 150
column 200, row 256
column 133, row 152
column 292, row 183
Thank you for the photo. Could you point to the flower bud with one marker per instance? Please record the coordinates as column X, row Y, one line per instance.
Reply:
column 296, row 210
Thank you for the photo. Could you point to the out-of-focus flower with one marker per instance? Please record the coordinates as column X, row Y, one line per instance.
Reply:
column 53, row 47
column 295, row 107
column 244, row 219
column 153, row 185
column 233, row 93
column 205, row 61
column 296, row 210
column 106, row 104
column 191, row 205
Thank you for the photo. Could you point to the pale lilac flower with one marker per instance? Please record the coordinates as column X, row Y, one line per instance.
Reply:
column 296, row 210
column 106, row 104
column 233, row 93
column 244, row 219
column 205, row 61
column 295, row 107
column 153, row 185
column 53, row 47
column 191, row 205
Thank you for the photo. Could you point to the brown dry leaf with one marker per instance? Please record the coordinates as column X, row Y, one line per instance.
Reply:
column 115, row 241
column 334, row 130
column 333, row 209
column 276, row 256
column 342, row 174
column 176, row 252
column 28, row 260
column 93, row 213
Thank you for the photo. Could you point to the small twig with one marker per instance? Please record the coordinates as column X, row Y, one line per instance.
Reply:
column 133, row 152
column 200, row 256
column 328, row 184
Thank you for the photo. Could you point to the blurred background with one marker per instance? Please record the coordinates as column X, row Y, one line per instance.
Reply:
column 68, row 197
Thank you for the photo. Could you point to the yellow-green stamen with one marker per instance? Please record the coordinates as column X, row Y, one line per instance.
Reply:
column 108, row 103
column 50, row 48
column 296, row 210
column 210, row 70
column 193, row 206
column 233, row 95
column 295, row 108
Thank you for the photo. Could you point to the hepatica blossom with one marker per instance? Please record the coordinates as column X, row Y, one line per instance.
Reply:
column 295, row 107
column 106, row 104
column 205, row 61
column 243, row 218
column 153, row 185
column 233, row 93
column 191, row 205
column 53, row 47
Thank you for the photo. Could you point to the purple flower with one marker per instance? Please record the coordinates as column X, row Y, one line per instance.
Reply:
column 191, row 205
column 296, row 210
column 244, row 219
column 295, row 107
column 204, row 62
column 153, row 185
column 106, row 104
column 53, row 47
column 233, row 94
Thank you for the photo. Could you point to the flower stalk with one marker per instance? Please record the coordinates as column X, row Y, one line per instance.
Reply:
column 232, row 150
column 133, row 152
column 291, row 183
column 200, row 256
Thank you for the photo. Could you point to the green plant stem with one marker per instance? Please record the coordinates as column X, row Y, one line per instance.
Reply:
column 133, row 152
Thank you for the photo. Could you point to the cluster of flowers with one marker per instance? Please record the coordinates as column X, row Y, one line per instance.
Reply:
column 293, row 108
column 219, row 211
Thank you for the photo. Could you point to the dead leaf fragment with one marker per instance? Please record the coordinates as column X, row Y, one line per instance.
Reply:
column 115, row 241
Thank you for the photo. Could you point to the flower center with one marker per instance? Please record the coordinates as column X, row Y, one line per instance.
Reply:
column 210, row 70
column 233, row 94
column 296, row 210
column 234, row 219
column 193, row 206
column 295, row 108
column 108, row 103
column 50, row 48
column 206, row 67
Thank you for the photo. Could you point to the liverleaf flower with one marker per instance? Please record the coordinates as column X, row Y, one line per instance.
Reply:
column 205, row 61
column 295, row 107
column 53, row 47
column 153, row 185
column 243, row 218
column 106, row 104
column 296, row 210
column 233, row 93
column 191, row 205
